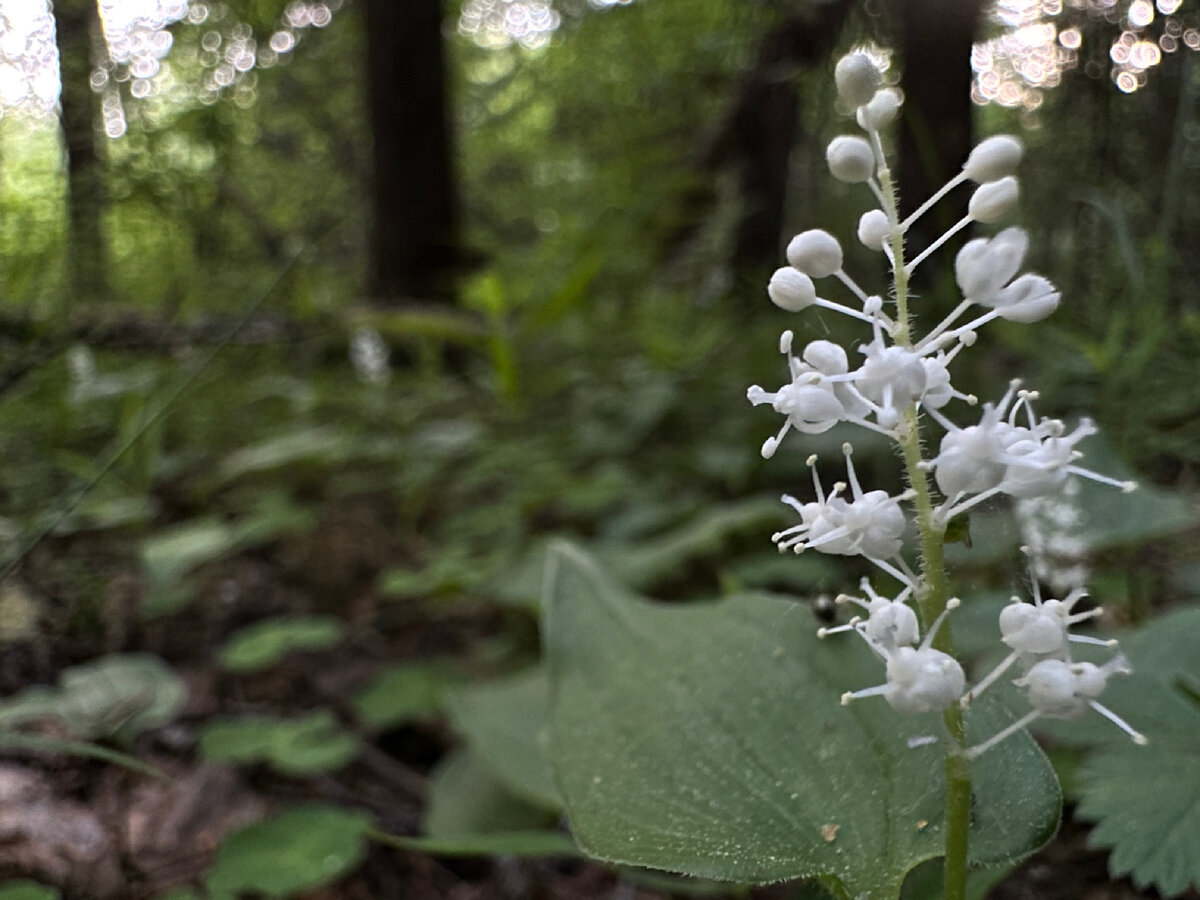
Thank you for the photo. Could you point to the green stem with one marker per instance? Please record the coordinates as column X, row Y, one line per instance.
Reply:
column 933, row 590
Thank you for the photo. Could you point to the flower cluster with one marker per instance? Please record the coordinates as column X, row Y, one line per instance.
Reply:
column 895, row 385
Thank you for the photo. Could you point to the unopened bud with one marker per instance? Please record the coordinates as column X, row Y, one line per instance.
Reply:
column 816, row 253
column 856, row 78
column 992, row 201
column 881, row 111
column 874, row 229
column 994, row 158
column 850, row 159
column 791, row 290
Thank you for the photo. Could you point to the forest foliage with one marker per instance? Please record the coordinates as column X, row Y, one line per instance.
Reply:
column 252, row 516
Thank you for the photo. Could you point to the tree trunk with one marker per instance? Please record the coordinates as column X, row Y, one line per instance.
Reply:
column 77, row 27
column 935, row 40
column 414, row 241
column 759, row 131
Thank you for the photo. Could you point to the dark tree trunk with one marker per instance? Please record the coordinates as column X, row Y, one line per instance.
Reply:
column 414, row 240
column 77, row 27
column 935, row 39
column 758, row 133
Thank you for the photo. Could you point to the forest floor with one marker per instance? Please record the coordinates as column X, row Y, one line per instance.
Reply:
column 99, row 831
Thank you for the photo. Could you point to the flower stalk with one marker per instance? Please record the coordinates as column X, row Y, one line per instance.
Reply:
column 900, row 390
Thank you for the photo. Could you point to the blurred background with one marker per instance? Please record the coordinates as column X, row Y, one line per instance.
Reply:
column 318, row 320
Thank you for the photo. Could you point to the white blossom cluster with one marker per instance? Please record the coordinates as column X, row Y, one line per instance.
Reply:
column 894, row 379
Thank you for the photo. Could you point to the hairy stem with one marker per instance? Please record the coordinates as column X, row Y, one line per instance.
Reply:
column 933, row 590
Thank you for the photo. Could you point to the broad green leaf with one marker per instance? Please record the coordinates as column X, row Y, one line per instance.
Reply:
column 1146, row 800
column 24, row 889
column 302, row 848
column 505, row 724
column 304, row 445
column 173, row 552
column 401, row 694
column 508, row 843
column 265, row 644
column 85, row 749
column 710, row 740
column 467, row 800
column 301, row 746
column 646, row 561
column 118, row 695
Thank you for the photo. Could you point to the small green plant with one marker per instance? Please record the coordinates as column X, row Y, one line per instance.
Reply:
column 738, row 768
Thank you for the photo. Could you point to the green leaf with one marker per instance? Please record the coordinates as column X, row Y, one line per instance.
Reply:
column 23, row 889
column 173, row 552
column 646, row 561
column 302, row 746
column 402, row 694
column 709, row 740
column 508, row 843
column 118, row 695
column 304, row 445
column 79, row 748
column 265, row 644
column 302, row 848
column 505, row 723
column 1146, row 800
column 466, row 799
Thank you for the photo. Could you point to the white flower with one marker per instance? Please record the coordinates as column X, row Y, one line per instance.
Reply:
column 870, row 523
column 1000, row 457
column 971, row 460
column 985, row 265
column 809, row 403
column 920, row 679
column 880, row 111
column 890, row 622
column 1038, row 631
column 1028, row 299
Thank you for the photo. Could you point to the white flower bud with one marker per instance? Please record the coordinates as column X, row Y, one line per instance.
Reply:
column 791, row 290
column 1028, row 299
column 816, row 253
column 881, row 111
column 994, row 158
column 850, row 159
column 994, row 200
column 856, row 78
column 874, row 229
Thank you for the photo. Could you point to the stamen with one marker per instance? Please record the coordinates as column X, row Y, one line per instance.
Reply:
column 943, row 325
column 850, row 696
column 952, row 603
column 989, row 679
column 1138, row 737
column 979, row 749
